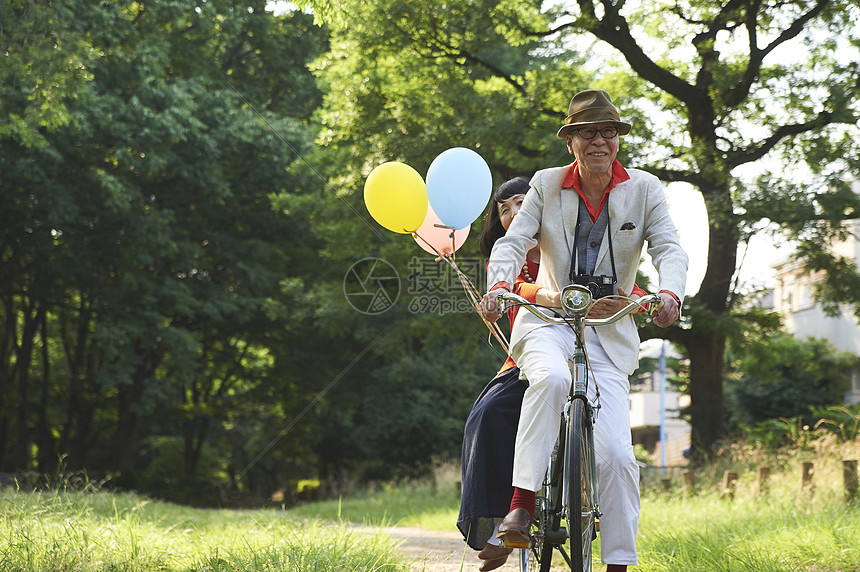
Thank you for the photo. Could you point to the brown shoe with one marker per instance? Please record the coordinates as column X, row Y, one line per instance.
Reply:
column 514, row 530
column 488, row 565
column 494, row 552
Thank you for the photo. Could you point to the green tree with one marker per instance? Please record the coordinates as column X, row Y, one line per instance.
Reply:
column 710, row 87
column 782, row 376
column 401, row 381
column 38, row 81
column 142, row 261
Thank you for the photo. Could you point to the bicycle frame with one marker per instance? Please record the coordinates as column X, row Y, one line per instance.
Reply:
column 574, row 499
column 581, row 502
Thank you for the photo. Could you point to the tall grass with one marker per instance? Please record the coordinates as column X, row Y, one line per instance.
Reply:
column 430, row 504
column 785, row 530
column 781, row 531
column 73, row 531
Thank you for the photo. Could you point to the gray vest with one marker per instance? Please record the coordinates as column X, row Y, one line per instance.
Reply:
column 589, row 236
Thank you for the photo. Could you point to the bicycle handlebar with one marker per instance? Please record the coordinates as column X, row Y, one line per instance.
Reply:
column 577, row 300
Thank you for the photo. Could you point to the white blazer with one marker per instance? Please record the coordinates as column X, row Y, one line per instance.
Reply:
column 548, row 218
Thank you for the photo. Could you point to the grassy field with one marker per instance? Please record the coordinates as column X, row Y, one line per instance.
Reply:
column 781, row 532
column 102, row 531
column 785, row 530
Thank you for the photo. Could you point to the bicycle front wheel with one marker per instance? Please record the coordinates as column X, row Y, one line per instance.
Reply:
column 582, row 513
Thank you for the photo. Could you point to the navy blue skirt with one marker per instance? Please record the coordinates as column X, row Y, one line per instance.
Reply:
column 488, row 457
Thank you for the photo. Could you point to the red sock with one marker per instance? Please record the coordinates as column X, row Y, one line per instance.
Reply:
column 524, row 499
column 616, row 568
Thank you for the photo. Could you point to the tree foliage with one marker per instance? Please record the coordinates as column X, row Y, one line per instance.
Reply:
column 782, row 376
column 141, row 258
column 174, row 251
column 712, row 89
column 181, row 206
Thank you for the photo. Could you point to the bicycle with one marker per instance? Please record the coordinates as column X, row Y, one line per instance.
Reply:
column 561, row 497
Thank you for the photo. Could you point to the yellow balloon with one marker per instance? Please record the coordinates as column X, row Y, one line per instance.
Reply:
column 396, row 197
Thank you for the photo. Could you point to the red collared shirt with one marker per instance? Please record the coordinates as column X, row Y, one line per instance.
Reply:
column 619, row 175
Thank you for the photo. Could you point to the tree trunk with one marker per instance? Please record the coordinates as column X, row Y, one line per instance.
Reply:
column 7, row 343
column 196, row 431
column 125, row 446
column 706, row 342
column 22, row 438
column 707, row 410
column 75, row 437
column 125, row 438
column 46, row 459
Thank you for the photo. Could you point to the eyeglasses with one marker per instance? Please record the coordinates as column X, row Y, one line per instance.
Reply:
column 590, row 132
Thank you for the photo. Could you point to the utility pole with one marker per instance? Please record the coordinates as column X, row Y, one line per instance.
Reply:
column 663, row 408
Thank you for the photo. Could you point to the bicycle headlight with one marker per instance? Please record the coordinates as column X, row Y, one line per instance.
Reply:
column 576, row 298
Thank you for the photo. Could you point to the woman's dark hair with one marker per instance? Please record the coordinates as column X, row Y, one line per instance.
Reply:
column 493, row 229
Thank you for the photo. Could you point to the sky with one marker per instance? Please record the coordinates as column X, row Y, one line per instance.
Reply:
column 688, row 212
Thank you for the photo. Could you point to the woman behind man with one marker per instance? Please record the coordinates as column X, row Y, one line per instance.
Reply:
column 491, row 428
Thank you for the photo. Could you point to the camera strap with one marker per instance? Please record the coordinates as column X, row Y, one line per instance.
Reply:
column 587, row 239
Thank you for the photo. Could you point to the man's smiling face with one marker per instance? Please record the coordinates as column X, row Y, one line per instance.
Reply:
column 597, row 154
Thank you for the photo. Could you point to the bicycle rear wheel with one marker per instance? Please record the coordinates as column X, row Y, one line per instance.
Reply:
column 538, row 557
column 581, row 498
column 545, row 522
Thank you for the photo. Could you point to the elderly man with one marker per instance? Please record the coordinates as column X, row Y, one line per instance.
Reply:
column 590, row 219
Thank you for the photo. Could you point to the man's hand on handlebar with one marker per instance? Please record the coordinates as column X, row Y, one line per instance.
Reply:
column 670, row 311
column 609, row 308
column 489, row 306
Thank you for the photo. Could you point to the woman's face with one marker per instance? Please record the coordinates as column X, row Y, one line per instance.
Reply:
column 509, row 208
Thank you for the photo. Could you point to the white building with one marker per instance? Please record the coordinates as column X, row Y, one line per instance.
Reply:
column 646, row 414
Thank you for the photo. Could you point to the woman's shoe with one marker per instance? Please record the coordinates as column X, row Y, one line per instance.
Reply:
column 488, row 565
column 493, row 556
column 494, row 552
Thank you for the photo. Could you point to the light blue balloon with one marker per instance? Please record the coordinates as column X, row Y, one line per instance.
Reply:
column 459, row 184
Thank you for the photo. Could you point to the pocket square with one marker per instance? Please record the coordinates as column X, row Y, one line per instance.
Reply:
column 628, row 226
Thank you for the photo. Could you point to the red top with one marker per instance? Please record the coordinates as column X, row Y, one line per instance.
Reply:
column 619, row 175
column 527, row 290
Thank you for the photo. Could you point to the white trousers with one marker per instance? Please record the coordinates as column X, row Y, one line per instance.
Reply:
column 542, row 355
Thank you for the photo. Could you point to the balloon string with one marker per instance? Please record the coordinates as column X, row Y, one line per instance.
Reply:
column 472, row 293
column 433, row 248
column 439, row 254
column 450, row 258
column 475, row 299
column 453, row 238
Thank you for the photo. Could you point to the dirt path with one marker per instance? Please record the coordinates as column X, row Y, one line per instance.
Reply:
column 435, row 551
column 438, row 551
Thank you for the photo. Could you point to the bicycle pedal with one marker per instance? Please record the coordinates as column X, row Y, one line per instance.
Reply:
column 514, row 544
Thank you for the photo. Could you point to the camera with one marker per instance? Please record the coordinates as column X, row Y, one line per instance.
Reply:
column 599, row 286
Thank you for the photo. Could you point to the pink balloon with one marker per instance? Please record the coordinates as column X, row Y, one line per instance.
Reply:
column 431, row 233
